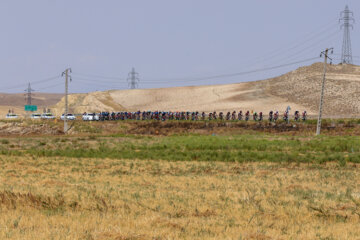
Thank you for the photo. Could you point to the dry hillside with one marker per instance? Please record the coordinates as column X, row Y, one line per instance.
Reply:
column 16, row 102
column 300, row 89
column 342, row 88
column 88, row 102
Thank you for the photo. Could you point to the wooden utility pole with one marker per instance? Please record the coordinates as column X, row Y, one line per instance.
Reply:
column 325, row 53
column 66, row 73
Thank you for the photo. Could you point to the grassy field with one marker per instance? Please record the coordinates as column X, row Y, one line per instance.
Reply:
column 223, row 185
column 191, row 147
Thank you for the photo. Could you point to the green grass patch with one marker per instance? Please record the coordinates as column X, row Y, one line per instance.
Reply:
column 236, row 148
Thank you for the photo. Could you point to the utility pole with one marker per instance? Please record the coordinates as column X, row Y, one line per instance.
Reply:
column 133, row 79
column 347, row 20
column 325, row 54
column 28, row 94
column 66, row 74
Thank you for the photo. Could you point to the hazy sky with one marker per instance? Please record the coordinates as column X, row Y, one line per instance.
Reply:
column 169, row 42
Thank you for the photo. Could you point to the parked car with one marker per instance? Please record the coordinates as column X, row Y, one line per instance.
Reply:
column 11, row 116
column 35, row 116
column 90, row 117
column 47, row 116
column 69, row 116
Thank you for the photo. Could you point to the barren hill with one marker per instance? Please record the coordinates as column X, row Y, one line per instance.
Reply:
column 299, row 89
column 342, row 88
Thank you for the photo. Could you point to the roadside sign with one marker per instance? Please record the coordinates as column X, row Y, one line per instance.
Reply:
column 31, row 108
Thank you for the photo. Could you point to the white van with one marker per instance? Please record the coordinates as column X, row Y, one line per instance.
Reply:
column 90, row 117
column 35, row 116
column 47, row 116
column 11, row 116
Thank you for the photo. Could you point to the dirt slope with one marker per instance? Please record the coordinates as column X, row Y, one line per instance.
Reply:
column 89, row 102
column 203, row 98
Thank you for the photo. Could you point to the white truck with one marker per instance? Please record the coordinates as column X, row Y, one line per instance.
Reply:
column 69, row 116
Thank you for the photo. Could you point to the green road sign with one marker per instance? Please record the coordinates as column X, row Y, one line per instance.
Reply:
column 31, row 108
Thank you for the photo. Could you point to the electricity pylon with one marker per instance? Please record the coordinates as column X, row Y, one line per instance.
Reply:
column 133, row 79
column 28, row 94
column 347, row 20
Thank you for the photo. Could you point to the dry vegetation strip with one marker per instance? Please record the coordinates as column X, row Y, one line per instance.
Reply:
column 91, row 198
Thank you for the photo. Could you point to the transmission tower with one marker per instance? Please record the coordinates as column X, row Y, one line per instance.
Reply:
column 28, row 94
column 346, row 20
column 133, row 79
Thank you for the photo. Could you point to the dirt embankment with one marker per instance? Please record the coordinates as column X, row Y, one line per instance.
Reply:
column 170, row 128
column 28, row 128
column 79, row 128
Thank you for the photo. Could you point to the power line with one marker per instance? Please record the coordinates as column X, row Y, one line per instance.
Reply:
column 51, row 86
column 307, row 38
column 97, row 76
column 97, row 80
column 236, row 74
column 311, row 47
column 33, row 82
column 339, row 54
column 100, row 82
column 110, row 84
column 97, row 83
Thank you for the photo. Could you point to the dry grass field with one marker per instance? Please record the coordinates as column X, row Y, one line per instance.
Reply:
column 91, row 198
column 235, row 183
